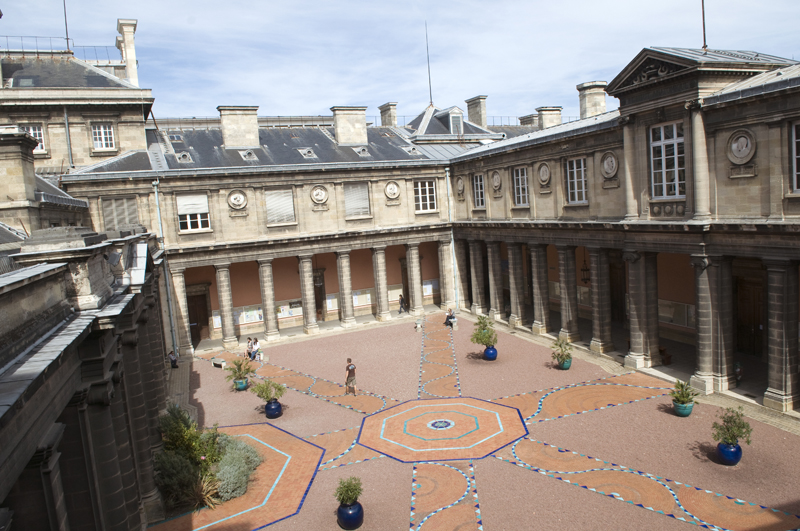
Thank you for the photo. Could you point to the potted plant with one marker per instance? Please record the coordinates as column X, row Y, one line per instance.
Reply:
column 270, row 392
column 350, row 514
column 728, row 432
column 485, row 335
column 562, row 353
column 239, row 372
column 683, row 398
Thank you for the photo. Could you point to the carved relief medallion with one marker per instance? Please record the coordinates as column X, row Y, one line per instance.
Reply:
column 319, row 194
column 544, row 174
column 460, row 188
column 497, row 182
column 237, row 199
column 741, row 146
column 609, row 165
column 392, row 190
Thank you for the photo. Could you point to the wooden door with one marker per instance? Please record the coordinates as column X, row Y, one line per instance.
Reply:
column 750, row 316
column 198, row 318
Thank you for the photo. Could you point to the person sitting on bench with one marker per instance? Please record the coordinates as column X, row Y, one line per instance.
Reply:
column 449, row 317
column 173, row 361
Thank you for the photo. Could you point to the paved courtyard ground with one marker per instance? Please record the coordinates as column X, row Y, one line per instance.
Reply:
column 443, row 440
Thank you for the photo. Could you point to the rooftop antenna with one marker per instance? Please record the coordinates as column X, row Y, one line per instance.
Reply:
column 428, row 52
column 66, row 27
column 703, row 7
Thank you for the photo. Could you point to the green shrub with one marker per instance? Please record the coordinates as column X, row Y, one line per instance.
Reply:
column 180, row 433
column 209, row 449
column 349, row 490
column 484, row 333
column 238, row 462
column 176, row 478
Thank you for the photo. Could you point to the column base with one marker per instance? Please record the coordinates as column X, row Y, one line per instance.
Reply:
column 311, row 329
column 464, row 305
column 702, row 217
column 540, row 328
column 230, row 342
column 601, row 347
column 514, row 321
column 635, row 361
column 703, row 383
column 273, row 335
column 153, row 507
column 494, row 315
column 186, row 349
column 774, row 399
column 417, row 311
column 349, row 322
column 387, row 316
column 723, row 383
column 476, row 309
column 572, row 337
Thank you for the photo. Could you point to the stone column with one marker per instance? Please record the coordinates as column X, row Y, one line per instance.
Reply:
column 46, row 459
column 705, row 321
column 629, row 156
column 271, row 332
column 137, row 416
column 643, row 300
column 783, row 393
column 127, row 466
column 568, row 285
column 702, row 194
column 541, row 289
column 446, row 276
column 724, row 376
column 476, row 266
column 414, row 279
column 495, row 280
column 225, row 296
column 310, row 325
column 157, row 356
column 345, row 289
column 104, row 454
column 182, row 311
column 462, row 275
column 516, row 286
column 148, row 377
column 381, row 284
column 601, row 301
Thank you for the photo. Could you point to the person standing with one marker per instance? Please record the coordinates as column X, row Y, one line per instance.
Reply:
column 402, row 304
column 350, row 377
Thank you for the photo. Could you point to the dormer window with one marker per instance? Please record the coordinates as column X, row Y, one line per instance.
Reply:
column 184, row 157
column 176, row 137
column 361, row 151
column 249, row 155
column 411, row 150
column 456, row 124
column 307, row 153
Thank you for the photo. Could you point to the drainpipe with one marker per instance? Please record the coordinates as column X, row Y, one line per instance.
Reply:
column 452, row 239
column 66, row 130
column 167, row 280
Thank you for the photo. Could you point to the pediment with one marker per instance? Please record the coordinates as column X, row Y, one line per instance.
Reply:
column 651, row 70
column 648, row 67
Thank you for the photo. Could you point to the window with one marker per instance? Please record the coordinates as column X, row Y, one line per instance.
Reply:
column 37, row 132
column 521, row 186
column 280, row 206
column 796, row 156
column 192, row 212
column 478, row 197
column 424, row 196
column 103, row 136
column 576, row 181
column 356, row 200
column 456, row 124
column 119, row 211
column 666, row 158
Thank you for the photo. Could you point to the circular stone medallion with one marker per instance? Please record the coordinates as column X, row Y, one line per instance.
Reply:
column 741, row 146
column 392, row 190
column 237, row 199
column 319, row 194
column 441, row 424
column 608, row 165
column 544, row 174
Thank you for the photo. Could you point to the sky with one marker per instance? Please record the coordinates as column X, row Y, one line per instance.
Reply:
column 302, row 58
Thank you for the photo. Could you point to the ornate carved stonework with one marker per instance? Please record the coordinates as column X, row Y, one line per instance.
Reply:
column 741, row 146
column 652, row 69
column 661, row 209
column 497, row 184
column 319, row 196
column 237, row 199
column 609, row 165
column 460, row 188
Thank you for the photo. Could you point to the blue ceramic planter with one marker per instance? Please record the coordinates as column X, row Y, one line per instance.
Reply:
column 350, row 516
column 566, row 364
column 240, row 385
column 490, row 354
column 729, row 454
column 683, row 410
column 273, row 409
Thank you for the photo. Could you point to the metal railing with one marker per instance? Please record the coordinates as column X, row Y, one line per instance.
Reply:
column 98, row 54
column 35, row 44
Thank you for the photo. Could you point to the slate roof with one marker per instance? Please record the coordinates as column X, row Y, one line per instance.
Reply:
column 699, row 55
column 9, row 234
column 772, row 81
column 513, row 130
column 55, row 71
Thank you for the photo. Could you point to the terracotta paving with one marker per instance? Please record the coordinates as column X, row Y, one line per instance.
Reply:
column 443, row 433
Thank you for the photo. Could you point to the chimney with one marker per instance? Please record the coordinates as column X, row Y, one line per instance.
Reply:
column 239, row 126
column 388, row 114
column 126, row 28
column 350, row 125
column 18, row 182
column 592, row 96
column 476, row 110
column 529, row 119
column 549, row 116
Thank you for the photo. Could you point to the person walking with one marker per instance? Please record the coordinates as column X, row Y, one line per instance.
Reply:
column 249, row 348
column 350, row 377
column 402, row 302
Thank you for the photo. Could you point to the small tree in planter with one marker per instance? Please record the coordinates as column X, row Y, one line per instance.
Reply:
column 683, row 398
column 485, row 335
column 562, row 353
column 239, row 372
column 350, row 514
column 270, row 392
column 728, row 432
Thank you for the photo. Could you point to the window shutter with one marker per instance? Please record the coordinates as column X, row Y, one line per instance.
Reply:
column 192, row 204
column 280, row 206
column 356, row 200
column 121, row 211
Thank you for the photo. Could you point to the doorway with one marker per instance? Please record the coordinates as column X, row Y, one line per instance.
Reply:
column 198, row 318
column 616, row 268
column 320, row 300
column 750, row 316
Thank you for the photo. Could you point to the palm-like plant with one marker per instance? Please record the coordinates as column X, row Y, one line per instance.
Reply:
column 239, row 370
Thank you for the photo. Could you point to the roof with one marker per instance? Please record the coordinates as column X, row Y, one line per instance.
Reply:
column 772, row 81
column 699, row 55
column 587, row 125
column 55, row 71
column 9, row 234
column 513, row 130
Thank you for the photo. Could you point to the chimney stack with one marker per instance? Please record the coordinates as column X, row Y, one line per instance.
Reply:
column 548, row 116
column 592, row 96
column 388, row 114
column 529, row 119
column 126, row 28
column 350, row 125
column 476, row 110
column 239, row 126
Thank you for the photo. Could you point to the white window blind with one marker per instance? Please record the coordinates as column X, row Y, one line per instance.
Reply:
column 356, row 200
column 280, row 206
column 119, row 211
column 36, row 132
column 192, row 204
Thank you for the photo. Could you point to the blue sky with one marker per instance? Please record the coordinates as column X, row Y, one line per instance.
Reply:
column 293, row 58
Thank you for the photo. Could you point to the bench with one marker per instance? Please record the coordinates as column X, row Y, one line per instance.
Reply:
column 218, row 363
column 418, row 325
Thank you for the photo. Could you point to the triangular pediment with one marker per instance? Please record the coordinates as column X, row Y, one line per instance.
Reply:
column 648, row 67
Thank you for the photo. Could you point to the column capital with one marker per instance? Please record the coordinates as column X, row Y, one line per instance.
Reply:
column 533, row 245
column 631, row 256
column 265, row 261
column 305, row 257
column 101, row 393
column 565, row 246
column 176, row 270
column 412, row 245
column 378, row 248
column 778, row 263
column 345, row 252
column 700, row 262
column 222, row 266
column 628, row 119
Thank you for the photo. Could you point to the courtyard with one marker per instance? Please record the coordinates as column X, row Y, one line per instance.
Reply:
column 445, row 440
